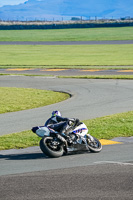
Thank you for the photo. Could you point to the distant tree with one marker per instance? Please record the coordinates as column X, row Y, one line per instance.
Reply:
column 75, row 18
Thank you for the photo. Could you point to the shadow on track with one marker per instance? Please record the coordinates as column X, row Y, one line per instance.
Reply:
column 27, row 156
column 33, row 156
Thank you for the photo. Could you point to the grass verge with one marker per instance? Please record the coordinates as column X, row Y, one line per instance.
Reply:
column 82, row 34
column 45, row 67
column 65, row 55
column 19, row 140
column 130, row 77
column 108, row 127
column 15, row 99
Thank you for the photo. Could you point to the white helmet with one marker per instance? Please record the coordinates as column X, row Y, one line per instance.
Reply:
column 54, row 113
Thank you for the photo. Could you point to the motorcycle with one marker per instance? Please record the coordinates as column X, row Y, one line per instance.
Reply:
column 77, row 139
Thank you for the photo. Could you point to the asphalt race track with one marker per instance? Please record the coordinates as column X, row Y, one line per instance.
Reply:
column 67, row 42
column 66, row 72
column 29, row 174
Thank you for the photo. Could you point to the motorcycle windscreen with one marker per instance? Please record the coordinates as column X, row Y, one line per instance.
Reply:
column 43, row 131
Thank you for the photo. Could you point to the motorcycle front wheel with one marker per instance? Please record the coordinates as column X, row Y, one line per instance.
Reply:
column 51, row 147
column 94, row 146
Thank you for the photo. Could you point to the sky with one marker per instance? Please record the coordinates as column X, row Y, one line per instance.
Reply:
column 64, row 9
column 11, row 2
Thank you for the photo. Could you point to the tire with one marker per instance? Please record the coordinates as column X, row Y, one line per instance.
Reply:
column 95, row 146
column 48, row 150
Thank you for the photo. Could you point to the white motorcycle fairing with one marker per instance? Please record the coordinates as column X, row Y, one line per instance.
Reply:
column 81, row 130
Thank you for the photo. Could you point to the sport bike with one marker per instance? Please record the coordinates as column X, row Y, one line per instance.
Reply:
column 77, row 139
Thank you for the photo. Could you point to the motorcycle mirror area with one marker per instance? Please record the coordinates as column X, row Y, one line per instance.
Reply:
column 74, row 122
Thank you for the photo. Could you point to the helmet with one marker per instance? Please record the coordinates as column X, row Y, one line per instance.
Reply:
column 54, row 113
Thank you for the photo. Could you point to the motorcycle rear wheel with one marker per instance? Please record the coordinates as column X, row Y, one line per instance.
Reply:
column 49, row 150
column 94, row 146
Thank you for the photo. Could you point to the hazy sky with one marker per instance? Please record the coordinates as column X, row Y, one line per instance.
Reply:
column 49, row 9
column 11, row 2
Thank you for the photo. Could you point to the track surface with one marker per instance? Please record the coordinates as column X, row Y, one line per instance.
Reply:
column 68, row 42
column 105, row 181
column 30, row 175
column 66, row 72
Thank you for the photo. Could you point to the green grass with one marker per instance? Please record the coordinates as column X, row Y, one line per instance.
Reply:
column 15, row 99
column 100, row 77
column 108, row 127
column 23, row 67
column 86, row 34
column 19, row 140
column 65, row 55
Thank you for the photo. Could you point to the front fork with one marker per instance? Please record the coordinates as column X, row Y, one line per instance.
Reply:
column 87, row 137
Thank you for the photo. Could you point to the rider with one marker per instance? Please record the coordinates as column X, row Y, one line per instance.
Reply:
column 60, row 124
